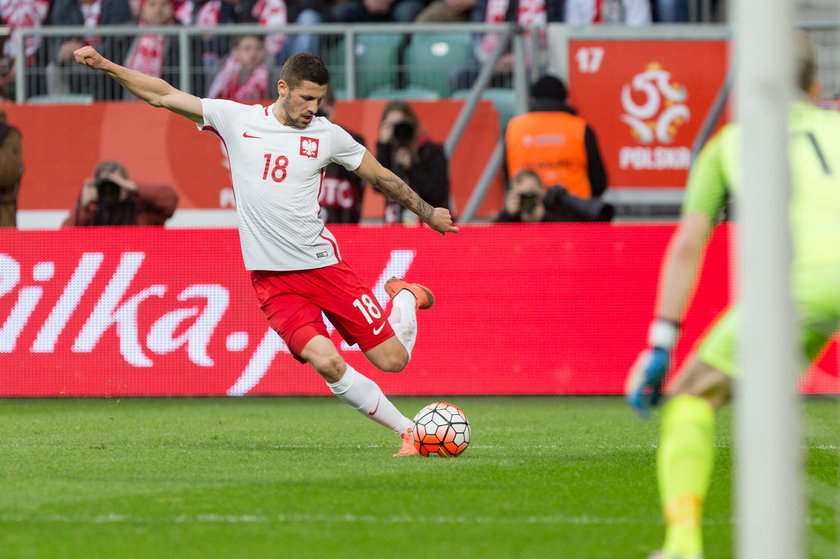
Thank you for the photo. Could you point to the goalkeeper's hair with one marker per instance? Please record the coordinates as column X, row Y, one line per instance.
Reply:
column 304, row 66
column 806, row 60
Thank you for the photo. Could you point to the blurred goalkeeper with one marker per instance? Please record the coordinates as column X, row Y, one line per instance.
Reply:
column 686, row 449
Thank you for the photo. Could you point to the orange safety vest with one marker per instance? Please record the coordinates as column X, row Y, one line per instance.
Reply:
column 552, row 145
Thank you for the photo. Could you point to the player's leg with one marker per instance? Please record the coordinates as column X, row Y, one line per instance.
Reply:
column 351, row 386
column 299, row 321
column 406, row 298
column 686, row 449
column 686, row 454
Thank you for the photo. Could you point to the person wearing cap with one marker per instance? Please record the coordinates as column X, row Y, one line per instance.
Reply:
column 555, row 142
column 112, row 198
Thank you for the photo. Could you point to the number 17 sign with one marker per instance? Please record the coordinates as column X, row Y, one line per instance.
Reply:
column 646, row 101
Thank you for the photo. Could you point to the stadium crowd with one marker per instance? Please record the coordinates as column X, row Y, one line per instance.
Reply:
column 50, row 64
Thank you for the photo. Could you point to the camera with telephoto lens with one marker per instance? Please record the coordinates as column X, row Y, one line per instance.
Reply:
column 403, row 133
column 107, row 192
column 579, row 209
column 527, row 201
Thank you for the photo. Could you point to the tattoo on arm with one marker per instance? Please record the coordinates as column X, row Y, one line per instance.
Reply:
column 396, row 189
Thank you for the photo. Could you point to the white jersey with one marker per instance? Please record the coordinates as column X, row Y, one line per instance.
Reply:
column 277, row 172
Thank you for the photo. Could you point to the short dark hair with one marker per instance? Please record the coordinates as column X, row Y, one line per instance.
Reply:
column 304, row 66
column 525, row 174
column 549, row 87
column 806, row 60
column 109, row 166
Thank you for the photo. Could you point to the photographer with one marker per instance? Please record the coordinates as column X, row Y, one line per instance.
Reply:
column 528, row 201
column 111, row 198
column 416, row 159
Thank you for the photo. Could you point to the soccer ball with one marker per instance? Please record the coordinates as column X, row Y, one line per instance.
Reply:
column 441, row 428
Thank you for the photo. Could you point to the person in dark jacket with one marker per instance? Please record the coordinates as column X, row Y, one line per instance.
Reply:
column 414, row 157
column 63, row 74
column 111, row 198
column 11, row 169
column 342, row 191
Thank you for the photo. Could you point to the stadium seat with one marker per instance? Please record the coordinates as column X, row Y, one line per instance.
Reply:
column 430, row 56
column 377, row 61
column 386, row 92
column 502, row 99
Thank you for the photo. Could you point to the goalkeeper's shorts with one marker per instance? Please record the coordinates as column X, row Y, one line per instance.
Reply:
column 817, row 297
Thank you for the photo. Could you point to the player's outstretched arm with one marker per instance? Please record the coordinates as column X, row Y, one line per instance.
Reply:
column 153, row 91
column 677, row 280
column 397, row 190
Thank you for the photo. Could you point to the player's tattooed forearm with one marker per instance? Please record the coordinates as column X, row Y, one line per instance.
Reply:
column 398, row 191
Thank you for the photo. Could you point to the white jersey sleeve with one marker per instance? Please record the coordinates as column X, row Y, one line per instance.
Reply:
column 277, row 172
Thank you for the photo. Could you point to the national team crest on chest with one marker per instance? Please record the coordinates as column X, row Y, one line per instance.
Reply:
column 309, row 147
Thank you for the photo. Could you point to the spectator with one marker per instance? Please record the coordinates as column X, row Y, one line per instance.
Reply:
column 244, row 75
column 111, row 198
column 274, row 13
column 342, row 190
column 11, row 169
column 671, row 11
column 400, row 11
column 63, row 76
column 152, row 54
column 414, row 157
column 303, row 12
column 529, row 201
column 559, row 145
column 17, row 14
column 523, row 12
column 446, row 11
column 587, row 12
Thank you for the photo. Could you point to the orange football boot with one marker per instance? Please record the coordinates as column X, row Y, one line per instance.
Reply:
column 424, row 297
column 407, row 448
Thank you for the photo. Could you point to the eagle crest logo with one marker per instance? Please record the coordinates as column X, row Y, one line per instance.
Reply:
column 309, row 147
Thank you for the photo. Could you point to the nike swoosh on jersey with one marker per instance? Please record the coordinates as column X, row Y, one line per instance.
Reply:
column 246, row 135
column 376, row 331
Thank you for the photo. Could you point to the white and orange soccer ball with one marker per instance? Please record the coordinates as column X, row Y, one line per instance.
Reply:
column 441, row 428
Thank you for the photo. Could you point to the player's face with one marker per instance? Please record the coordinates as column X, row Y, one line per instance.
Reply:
column 157, row 12
column 299, row 105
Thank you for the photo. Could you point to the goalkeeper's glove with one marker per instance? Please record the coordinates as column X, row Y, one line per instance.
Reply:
column 644, row 383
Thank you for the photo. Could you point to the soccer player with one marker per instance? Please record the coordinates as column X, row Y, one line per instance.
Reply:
column 276, row 155
column 686, row 449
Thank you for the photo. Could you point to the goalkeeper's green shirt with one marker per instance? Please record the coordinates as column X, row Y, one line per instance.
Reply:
column 814, row 149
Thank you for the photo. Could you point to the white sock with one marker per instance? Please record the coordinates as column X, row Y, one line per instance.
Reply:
column 403, row 318
column 365, row 395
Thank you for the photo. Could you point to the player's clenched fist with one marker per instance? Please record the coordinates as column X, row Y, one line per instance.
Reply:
column 441, row 221
column 89, row 57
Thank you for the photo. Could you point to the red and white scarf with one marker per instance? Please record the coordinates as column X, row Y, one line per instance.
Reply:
column 146, row 54
column 529, row 12
column 266, row 12
column 22, row 13
column 91, row 11
column 229, row 82
column 272, row 13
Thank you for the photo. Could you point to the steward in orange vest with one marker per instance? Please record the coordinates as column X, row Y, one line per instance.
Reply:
column 555, row 143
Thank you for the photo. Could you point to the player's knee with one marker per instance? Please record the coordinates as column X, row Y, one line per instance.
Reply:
column 394, row 361
column 330, row 366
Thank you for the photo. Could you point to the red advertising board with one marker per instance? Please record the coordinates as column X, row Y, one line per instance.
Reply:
column 520, row 309
column 646, row 101
column 63, row 143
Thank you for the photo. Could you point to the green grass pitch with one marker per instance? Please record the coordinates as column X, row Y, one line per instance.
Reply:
column 214, row 478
